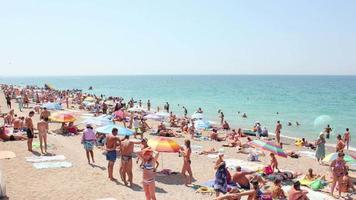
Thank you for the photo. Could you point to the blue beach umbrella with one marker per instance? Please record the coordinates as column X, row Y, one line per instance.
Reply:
column 108, row 129
column 52, row 106
column 202, row 124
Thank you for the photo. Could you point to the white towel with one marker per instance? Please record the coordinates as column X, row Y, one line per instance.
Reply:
column 36, row 159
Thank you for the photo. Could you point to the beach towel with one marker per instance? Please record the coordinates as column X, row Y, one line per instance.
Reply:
column 7, row 155
column 309, row 154
column 245, row 165
column 52, row 165
column 36, row 159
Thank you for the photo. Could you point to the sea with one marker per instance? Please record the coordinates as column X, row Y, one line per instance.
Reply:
column 312, row 101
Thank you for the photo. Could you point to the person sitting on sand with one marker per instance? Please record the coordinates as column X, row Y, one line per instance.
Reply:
column 18, row 124
column 214, row 136
column 277, row 192
column 225, row 126
column 240, row 133
column 296, row 193
column 346, row 184
column 307, row 144
column 254, row 194
column 73, row 129
column 149, row 173
column 274, row 162
column 243, row 178
column 310, row 176
column 163, row 131
column 233, row 141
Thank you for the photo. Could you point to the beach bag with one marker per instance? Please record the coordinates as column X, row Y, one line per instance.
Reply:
column 268, row 170
column 316, row 185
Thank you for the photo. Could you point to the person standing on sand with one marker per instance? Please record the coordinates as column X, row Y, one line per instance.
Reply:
column 29, row 130
column 187, row 162
column 278, row 132
column 320, row 148
column 149, row 173
column 8, row 101
column 112, row 141
column 338, row 168
column 347, row 138
column 45, row 113
column 88, row 140
column 340, row 145
column 42, row 127
column 127, row 149
column 20, row 101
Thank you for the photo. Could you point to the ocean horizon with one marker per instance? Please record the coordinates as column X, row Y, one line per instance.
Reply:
column 305, row 99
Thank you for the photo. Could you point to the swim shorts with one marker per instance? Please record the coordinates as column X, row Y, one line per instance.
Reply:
column 29, row 133
column 111, row 155
column 88, row 145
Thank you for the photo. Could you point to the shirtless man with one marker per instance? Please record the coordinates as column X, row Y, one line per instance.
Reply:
column 18, row 123
column 278, row 132
column 42, row 127
column 127, row 149
column 112, row 141
column 45, row 113
column 29, row 129
column 244, row 178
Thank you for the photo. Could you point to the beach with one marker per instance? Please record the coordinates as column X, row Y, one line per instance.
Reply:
column 84, row 181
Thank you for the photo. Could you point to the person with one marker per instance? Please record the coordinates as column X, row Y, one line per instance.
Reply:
column 149, row 173
column 244, row 115
column 338, row 168
column 18, row 124
column 191, row 130
column 226, row 126
column 222, row 118
column 220, row 183
column 148, row 105
column 347, row 138
column 29, row 130
column 187, row 162
column 127, row 149
column 9, row 118
column 135, row 126
column 340, row 145
column 274, row 162
column 9, row 137
column 72, row 129
column 296, row 193
column 143, row 126
column 278, row 132
column 320, row 148
column 42, row 127
column 45, row 113
column 8, row 101
column 328, row 130
column 233, row 140
column 277, row 191
column 240, row 177
column 89, row 140
column 254, row 194
column 346, row 184
column 310, row 175
column 112, row 141
column 185, row 111
column 104, row 108
column 258, row 130
column 20, row 102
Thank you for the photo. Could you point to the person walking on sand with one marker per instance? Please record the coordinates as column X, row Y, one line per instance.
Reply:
column 320, row 148
column 278, row 132
column 42, row 127
column 347, row 138
column 29, row 130
column 112, row 141
column 127, row 149
column 88, row 140
column 149, row 173
column 187, row 162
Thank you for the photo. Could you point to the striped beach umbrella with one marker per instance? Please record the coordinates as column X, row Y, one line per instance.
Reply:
column 108, row 129
column 268, row 146
column 332, row 156
column 62, row 117
column 162, row 144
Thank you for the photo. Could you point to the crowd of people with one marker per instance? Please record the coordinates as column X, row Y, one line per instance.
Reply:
column 251, row 182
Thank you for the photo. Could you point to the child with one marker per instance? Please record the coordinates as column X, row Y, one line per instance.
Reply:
column 274, row 162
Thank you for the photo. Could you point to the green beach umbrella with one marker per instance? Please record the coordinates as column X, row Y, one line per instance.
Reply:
column 332, row 156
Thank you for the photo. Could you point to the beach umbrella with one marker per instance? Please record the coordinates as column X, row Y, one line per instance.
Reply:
column 62, row 117
column 202, row 124
column 332, row 156
column 108, row 129
column 136, row 109
column 89, row 99
column 163, row 114
column 197, row 116
column 98, row 121
column 153, row 117
column 268, row 146
column 322, row 121
column 52, row 106
column 163, row 144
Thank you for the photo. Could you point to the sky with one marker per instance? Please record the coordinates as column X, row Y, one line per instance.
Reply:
column 113, row 37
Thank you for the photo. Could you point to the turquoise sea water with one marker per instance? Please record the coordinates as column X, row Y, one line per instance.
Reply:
column 296, row 98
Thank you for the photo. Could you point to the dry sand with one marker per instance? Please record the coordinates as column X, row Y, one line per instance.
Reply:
column 84, row 181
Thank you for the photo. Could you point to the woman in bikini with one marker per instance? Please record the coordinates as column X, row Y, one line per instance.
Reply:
column 149, row 173
column 338, row 168
column 187, row 162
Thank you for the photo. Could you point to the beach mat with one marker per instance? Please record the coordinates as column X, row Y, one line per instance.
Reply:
column 52, row 165
column 7, row 155
column 245, row 165
column 36, row 159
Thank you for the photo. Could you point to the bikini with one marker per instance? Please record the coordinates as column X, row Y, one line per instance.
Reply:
column 148, row 166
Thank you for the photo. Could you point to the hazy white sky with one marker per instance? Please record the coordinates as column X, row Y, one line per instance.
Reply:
column 177, row 37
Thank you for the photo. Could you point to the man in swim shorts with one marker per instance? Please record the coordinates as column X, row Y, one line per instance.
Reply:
column 112, row 141
column 29, row 130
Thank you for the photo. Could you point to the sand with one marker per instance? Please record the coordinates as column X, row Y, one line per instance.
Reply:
column 84, row 181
